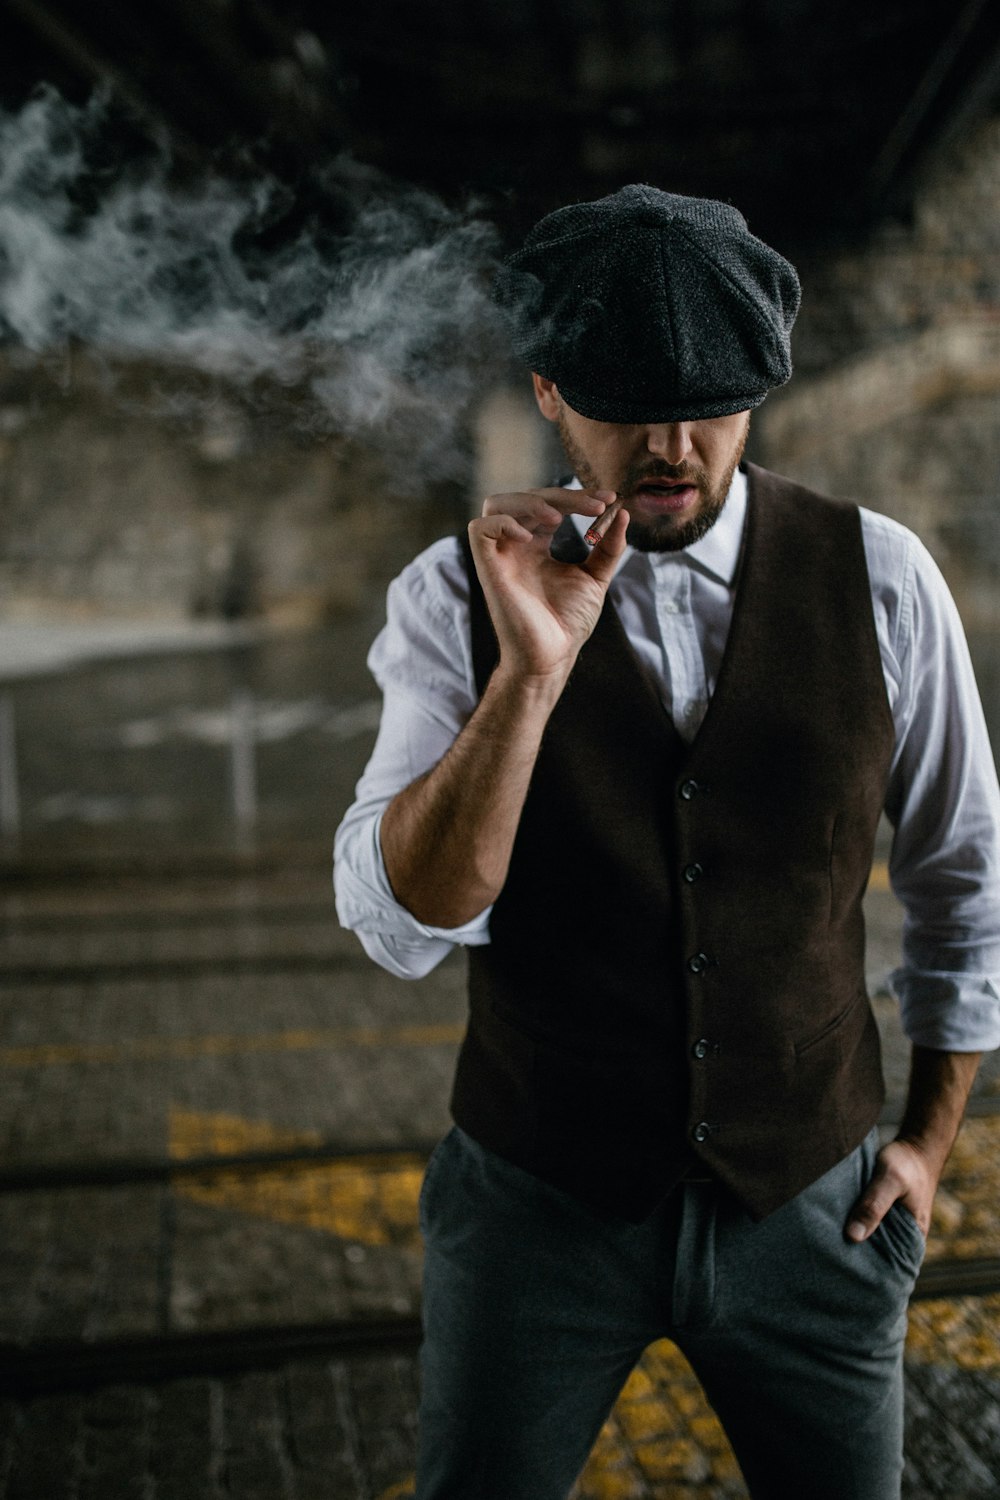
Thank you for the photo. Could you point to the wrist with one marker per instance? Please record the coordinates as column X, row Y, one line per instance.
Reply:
column 930, row 1150
column 529, row 691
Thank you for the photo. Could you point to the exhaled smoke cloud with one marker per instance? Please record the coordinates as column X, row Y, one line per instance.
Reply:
column 373, row 311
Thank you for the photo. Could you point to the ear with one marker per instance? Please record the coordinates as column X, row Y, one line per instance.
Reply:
column 547, row 396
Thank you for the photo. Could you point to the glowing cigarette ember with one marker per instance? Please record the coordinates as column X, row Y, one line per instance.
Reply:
column 601, row 526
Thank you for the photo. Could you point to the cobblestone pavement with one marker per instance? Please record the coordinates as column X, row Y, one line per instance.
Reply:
column 335, row 1430
column 344, row 1429
column 213, row 1119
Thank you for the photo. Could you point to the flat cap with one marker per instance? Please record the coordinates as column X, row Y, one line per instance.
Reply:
column 647, row 306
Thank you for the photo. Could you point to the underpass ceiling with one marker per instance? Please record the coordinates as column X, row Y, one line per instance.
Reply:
column 815, row 119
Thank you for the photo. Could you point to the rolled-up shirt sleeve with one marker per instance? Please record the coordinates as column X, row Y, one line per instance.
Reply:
column 945, row 807
column 421, row 660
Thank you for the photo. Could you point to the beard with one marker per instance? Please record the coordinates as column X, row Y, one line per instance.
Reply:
column 663, row 533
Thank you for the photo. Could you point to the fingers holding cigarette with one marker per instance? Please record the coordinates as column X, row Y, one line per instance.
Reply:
column 606, row 552
column 600, row 528
column 542, row 511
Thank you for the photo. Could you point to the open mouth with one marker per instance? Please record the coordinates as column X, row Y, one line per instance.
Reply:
column 666, row 495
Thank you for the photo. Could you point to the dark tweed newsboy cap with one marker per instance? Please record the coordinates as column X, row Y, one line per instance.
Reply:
column 650, row 307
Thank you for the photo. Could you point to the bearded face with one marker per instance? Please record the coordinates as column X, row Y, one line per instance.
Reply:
column 673, row 476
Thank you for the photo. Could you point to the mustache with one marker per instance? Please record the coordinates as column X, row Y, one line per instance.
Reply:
column 639, row 475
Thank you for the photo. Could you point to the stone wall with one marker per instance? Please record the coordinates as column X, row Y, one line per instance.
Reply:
column 896, row 397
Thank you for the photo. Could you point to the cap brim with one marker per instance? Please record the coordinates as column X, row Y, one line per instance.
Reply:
column 616, row 409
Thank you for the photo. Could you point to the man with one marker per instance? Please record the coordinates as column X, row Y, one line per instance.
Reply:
column 641, row 784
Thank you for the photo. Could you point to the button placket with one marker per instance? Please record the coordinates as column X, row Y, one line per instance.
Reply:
column 679, row 641
column 699, row 962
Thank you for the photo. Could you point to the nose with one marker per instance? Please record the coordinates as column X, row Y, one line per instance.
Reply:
column 670, row 441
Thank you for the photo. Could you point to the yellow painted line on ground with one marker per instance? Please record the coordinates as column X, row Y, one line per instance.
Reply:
column 170, row 1049
column 197, row 1133
column 369, row 1203
column 371, row 1200
column 879, row 878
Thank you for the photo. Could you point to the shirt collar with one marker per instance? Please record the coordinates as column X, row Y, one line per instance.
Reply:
column 716, row 553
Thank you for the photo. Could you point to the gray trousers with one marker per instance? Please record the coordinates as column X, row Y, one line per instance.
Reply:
column 535, row 1312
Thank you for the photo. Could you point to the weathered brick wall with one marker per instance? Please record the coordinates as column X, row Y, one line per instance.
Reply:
column 896, row 397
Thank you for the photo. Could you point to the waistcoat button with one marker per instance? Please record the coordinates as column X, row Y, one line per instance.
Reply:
column 701, row 1048
column 693, row 872
column 689, row 789
column 698, row 963
column 701, row 1132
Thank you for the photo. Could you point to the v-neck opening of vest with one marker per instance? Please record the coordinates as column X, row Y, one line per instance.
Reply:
column 712, row 711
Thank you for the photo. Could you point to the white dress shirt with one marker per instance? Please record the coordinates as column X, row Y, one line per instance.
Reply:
column 676, row 608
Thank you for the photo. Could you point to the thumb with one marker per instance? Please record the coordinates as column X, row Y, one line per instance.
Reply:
column 872, row 1207
column 603, row 559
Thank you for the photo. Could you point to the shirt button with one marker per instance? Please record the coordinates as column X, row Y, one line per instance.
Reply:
column 701, row 1132
column 701, row 1048
column 693, row 872
column 698, row 963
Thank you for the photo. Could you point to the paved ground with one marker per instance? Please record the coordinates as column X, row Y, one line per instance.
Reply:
column 213, row 1119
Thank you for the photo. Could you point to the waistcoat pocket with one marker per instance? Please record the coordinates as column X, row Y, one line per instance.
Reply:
column 830, row 1027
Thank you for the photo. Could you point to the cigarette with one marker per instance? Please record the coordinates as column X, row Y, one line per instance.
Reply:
column 602, row 525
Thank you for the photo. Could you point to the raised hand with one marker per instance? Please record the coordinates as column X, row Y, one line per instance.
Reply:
column 542, row 610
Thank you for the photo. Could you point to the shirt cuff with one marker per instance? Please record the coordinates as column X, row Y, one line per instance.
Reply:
column 948, row 1012
column 403, row 923
column 389, row 933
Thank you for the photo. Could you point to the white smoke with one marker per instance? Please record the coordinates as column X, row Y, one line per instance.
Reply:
column 381, row 329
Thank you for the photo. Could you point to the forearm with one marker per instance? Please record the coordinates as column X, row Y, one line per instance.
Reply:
column 447, row 838
column 940, row 1083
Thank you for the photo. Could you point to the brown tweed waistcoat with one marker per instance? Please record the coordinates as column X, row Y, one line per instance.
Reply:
column 716, row 1008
